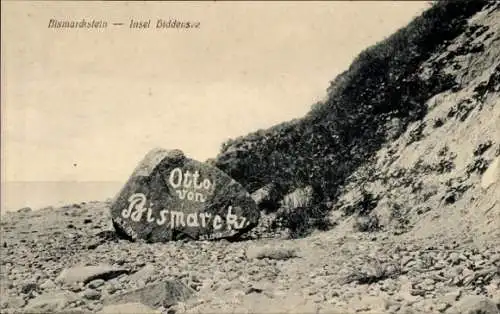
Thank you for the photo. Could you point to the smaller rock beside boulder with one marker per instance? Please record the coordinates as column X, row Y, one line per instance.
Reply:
column 301, row 197
column 267, row 197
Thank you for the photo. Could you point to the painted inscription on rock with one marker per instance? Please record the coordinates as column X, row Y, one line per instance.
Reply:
column 137, row 211
column 183, row 182
column 170, row 197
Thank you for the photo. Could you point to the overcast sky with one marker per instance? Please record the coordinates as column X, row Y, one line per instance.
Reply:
column 86, row 105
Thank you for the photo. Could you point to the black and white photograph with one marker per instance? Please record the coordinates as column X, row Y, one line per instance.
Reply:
column 250, row 157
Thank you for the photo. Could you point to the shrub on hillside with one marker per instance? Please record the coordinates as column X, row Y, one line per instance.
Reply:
column 343, row 131
column 301, row 221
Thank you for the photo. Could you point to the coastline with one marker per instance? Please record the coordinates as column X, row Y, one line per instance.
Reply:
column 41, row 194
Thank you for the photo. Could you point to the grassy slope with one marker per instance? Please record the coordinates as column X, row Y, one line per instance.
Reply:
column 337, row 136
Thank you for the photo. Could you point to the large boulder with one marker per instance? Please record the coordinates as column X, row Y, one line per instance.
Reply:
column 171, row 197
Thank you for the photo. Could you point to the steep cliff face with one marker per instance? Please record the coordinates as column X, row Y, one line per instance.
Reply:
column 411, row 127
column 441, row 176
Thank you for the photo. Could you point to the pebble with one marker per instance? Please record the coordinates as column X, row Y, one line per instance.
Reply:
column 48, row 284
column 454, row 258
column 112, row 288
column 28, row 286
column 272, row 252
column 91, row 294
column 94, row 284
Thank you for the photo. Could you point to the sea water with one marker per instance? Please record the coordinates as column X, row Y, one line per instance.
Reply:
column 37, row 195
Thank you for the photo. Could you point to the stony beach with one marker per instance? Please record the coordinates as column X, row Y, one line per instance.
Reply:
column 67, row 260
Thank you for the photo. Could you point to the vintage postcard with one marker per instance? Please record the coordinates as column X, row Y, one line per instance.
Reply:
column 250, row 157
